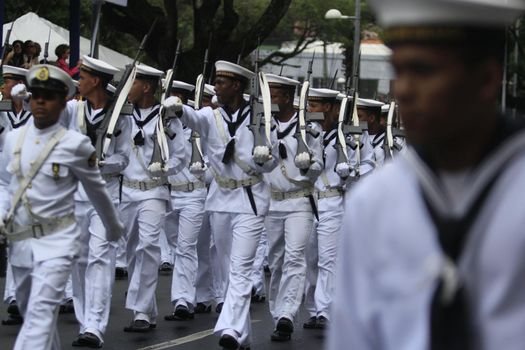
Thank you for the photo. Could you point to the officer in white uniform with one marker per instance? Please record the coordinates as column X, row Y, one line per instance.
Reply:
column 183, row 223
column 93, row 272
column 41, row 166
column 238, row 197
column 292, row 207
column 331, row 186
column 10, row 120
column 146, row 197
column 444, row 266
column 370, row 112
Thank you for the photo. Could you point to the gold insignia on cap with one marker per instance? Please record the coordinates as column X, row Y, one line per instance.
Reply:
column 42, row 74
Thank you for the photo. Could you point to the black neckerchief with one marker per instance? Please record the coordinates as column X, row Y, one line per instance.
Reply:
column 282, row 134
column 92, row 126
column 378, row 138
column 243, row 113
column 329, row 136
column 141, row 122
column 24, row 117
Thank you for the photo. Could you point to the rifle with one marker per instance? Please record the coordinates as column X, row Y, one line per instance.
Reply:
column 196, row 151
column 260, row 112
column 160, row 154
column 333, row 79
column 390, row 146
column 6, row 42
column 105, row 130
column 46, row 47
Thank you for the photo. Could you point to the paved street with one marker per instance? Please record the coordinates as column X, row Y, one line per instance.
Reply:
column 194, row 334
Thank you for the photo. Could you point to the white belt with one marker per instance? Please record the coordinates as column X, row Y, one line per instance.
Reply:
column 232, row 184
column 142, row 185
column 281, row 196
column 333, row 192
column 187, row 186
column 108, row 177
column 41, row 229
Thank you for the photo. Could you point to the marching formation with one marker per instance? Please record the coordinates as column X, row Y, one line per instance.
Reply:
column 211, row 184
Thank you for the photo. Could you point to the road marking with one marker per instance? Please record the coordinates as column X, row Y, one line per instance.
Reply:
column 183, row 340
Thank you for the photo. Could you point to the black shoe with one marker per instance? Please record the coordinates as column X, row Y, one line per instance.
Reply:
column 218, row 308
column 267, row 270
column 138, row 326
column 166, row 268
column 202, row 308
column 228, row 342
column 258, row 298
column 284, row 325
column 311, row 323
column 322, row 322
column 12, row 309
column 67, row 307
column 13, row 320
column 280, row 336
column 121, row 273
column 181, row 313
column 89, row 340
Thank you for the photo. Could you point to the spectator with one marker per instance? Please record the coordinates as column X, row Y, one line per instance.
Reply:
column 29, row 50
column 38, row 51
column 62, row 52
column 15, row 57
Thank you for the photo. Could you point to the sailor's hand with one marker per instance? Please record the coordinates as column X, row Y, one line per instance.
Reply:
column 343, row 170
column 303, row 160
column 173, row 104
column 197, row 168
column 19, row 92
column 157, row 170
column 261, row 154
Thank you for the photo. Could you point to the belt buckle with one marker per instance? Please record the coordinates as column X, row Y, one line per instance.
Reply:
column 142, row 186
column 38, row 230
column 232, row 183
column 191, row 186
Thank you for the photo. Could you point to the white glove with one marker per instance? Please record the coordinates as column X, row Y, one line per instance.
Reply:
column 19, row 92
column 261, row 154
column 303, row 160
column 157, row 170
column 115, row 232
column 197, row 168
column 173, row 104
column 101, row 163
column 343, row 170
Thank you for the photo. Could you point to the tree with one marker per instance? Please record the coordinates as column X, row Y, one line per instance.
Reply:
column 232, row 34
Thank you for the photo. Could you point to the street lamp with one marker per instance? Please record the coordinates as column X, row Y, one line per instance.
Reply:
column 336, row 14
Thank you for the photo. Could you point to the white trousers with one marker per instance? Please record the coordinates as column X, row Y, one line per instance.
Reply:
column 93, row 273
column 204, row 283
column 237, row 237
column 166, row 251
column 143, row 221
column 10, row 287
column 39, row 291
column 288, row 234
column 321, row 254
column 182, row 230
column 258, row 277
column 122, row 259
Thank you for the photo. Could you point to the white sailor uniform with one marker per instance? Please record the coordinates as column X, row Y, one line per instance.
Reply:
column 41, row 266
column 145, row 199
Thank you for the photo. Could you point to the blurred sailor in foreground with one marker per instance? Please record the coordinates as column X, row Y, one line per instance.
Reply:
column 444, row 267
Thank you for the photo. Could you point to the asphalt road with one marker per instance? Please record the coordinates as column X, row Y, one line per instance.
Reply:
column 194, row 334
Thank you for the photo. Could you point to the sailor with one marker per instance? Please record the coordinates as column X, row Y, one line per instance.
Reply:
column 9, row 120
column 370, row 111
column 146, row 197
column 292, row 206
column 183, row 223
column 331, row 186
column 398, row 142
column 444, row 267
column 93, row 272
column 238, row 197
column 41, row 166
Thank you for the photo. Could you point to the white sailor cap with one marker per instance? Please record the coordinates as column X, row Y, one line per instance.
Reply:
column 97, row 67
column 341, row 95
column 322, row 94
column 277, row 81
column 368, row 103
column 148, row 73
column 12, row 72
column 111, row 89
column 209, row 90
column 180, row 85
column 232, row 70
column 48, row 77
column 443, row 20
column 385, row 108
